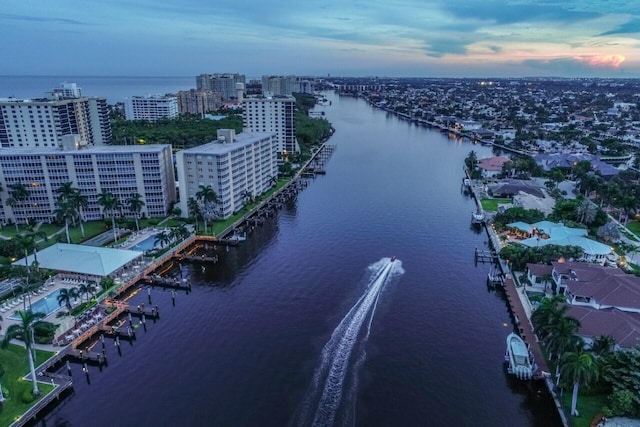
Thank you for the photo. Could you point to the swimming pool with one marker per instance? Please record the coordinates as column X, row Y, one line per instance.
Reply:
column 145, row 245
column 46, row 305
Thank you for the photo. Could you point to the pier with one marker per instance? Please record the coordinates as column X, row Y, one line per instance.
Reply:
column 483, row 256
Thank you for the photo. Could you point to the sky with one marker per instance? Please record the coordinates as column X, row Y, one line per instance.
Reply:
column 402, row 38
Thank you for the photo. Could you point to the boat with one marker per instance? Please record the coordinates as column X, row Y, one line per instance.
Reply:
column 477, row 216
column 517, row 356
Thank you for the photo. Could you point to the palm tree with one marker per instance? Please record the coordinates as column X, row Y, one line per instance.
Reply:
column 110, row 203
column 86, row 289
column 66, row 295
column 163, row 238
column 65, row 211
column 135, row 204
column 24, row 329
column 194, row 210
column 581, row 367
column 471, row 161
column 25, row 243
column 19, row 193
column 603, row 345
column 179, row 232
column 248, row 198
column 33, row 236
column 208, row 197
column 79, row 202
column 586, row 211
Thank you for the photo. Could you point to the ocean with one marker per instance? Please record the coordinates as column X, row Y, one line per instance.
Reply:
column 115, row 89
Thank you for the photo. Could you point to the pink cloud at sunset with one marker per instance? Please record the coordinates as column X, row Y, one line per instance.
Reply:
column 605, row 61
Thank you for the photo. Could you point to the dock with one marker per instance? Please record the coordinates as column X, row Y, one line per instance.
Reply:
column 167, row 282
column 86, row 356
column 483, row 255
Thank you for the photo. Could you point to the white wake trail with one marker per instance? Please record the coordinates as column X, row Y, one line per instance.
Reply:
column 325, row 395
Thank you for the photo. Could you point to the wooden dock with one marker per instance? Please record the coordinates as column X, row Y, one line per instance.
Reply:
column 482, row 256
column 525, row 328
column 167, row 282
column 85, row 356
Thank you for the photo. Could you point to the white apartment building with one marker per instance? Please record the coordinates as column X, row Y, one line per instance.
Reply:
column 151, row 107
column 66, row 90
column 232, row 165
column 272, row 114
column 224, row 84
column 121, row 170
column 199, row 102
column 286, row 85
column 43, row 122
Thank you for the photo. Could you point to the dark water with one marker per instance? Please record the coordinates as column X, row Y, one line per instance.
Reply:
column 115, row 89
column 423, row 348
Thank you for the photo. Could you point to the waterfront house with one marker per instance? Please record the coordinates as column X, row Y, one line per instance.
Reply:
column 606, row 301
column 510, row 187
column 539, row 275
column 550, row 233
column 491, row 167
column 597, row 286
column 622, row 326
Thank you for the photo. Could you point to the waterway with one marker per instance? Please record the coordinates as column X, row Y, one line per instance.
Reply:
column 308, row 322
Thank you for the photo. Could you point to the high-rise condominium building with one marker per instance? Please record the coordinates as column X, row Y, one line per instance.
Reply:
column 272, row 114
column 235, row 167
column 286, row 85
column 66, row 90
column 121, row 170
column 225, row 84
column 151, row 107
column 196, row 101
column 43, row 122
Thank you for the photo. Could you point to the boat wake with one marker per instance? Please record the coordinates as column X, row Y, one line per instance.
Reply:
column 324, row 400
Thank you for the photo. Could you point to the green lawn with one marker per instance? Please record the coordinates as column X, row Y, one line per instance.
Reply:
column 634, row 227
column 14, row 362
column 492, row 204
column 588, row 407
column 219, row 226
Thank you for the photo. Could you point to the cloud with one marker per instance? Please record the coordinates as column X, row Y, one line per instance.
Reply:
column 607, row 61
column 630, row 27
column 585, row 65
column 511, row 12
column 26, row 18
column 437, row 48
column 495, row 49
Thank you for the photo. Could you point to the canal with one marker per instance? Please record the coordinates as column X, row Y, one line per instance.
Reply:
column 309, row 322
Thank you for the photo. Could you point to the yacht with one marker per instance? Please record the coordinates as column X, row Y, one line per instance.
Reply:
column 517, row 356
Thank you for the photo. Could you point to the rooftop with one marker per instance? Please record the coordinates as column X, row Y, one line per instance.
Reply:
column 218, row 148
column 99, row 149
column 82, row 259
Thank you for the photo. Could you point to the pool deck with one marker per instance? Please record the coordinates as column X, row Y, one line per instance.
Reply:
column 140, row 236
column 52, row 285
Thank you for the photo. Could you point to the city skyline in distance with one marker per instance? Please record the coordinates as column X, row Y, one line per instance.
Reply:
column 434, row 38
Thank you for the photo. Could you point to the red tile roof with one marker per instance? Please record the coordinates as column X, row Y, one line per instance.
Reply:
column 492, row 163
column 623, row 326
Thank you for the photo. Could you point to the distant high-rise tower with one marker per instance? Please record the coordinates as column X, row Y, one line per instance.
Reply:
column 240, row 92
column 286, row 85
column 65, row 91
column 70, row 90
column 272, row 114
column 199, row 102
column 225, row 84
column 151, row 108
